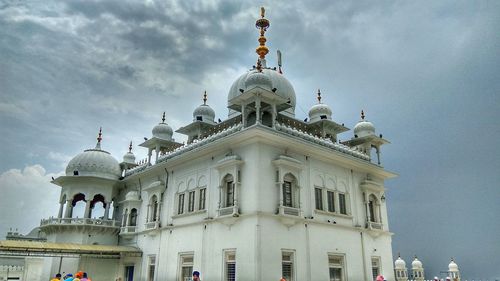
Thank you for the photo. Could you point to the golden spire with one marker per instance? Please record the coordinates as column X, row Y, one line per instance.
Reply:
column 205, row 98
column 262, row 49
column 319, row 96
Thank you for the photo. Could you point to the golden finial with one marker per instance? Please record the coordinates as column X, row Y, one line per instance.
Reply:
column 262, row 24
column 205, row 98
column 319, row 96
column 362, row 115
column 163, row 118
column 130, row 147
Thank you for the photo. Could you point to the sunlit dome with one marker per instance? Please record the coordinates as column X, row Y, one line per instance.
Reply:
column 129, row 157
column 416, row 264
column 204, row 112
column 320, row 111
column 453, row 266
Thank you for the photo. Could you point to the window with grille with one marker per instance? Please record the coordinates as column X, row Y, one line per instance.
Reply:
column 201, row 205
column 287, row 194
column 331, row 201
column 318, row 198
column 375, row 267
column 287, row 266
column 372, row 211
column 180, row 206
column 191, row 201
column 129, row 273
column 151, row 268
column 342, row 204
column 186, row 267
column 230, row 266
column 229, row 194
column 336, row 267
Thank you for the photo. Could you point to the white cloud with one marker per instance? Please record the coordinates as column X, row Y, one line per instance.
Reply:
column 26, row 197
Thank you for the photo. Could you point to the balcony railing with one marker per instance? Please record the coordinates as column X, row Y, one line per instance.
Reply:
column 79, row 221
column 152, row 225
column 128, row 229
column 374, row 225
column 228, row 211
column 284, row 210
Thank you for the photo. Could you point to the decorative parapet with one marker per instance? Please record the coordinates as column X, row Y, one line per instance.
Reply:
column 11, row 268
column 79, row 221
column 323, row 142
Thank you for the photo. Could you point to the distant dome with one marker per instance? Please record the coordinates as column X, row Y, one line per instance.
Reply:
column 400, row 263
column 94, row 162
column 205, row 113
column 162, row 131
column 132, row 195
column 129, row 158
column 416, row 264
column 283, row 87
column 320, row 111
column 453, row 266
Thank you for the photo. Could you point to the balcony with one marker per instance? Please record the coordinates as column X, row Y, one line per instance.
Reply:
column 152, row 225
column 232, row 210
column 289, row 215
column 290, row 211
column 128, row 230
column 56, row 224
column 374, row 225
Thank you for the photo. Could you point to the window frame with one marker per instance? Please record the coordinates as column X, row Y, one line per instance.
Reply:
column 180, row 204
column 290, row 262
column 191, row 200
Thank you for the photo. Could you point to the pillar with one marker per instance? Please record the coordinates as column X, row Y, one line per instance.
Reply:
column 88, row 211
column 69, row 206
column 106, row 210
column 61, row 206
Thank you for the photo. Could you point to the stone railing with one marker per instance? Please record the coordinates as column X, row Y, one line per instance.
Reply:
column 11, row 268
column 128, row 229
column 226, row 211
column 374, row 225
column 79, row 221
column 289, row 211
column 152, row 225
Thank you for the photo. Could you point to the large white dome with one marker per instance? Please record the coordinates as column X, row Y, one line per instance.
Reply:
column 205, row 113
column 400, row 263
column 162, row 131
column 94, row 162
column 453, row 267
column 283, row 87
column 416, row 264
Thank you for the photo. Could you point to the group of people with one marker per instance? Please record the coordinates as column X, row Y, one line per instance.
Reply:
column 79, row 276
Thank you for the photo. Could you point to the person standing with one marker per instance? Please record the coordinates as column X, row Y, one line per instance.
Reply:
column 57, row 278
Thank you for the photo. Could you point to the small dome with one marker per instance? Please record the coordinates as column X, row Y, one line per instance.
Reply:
column 256, row 78
column 364, row 128
column 283, row 88
column 400, row 263
column 416, row 264
column 453, row 266
column 94, row 162
column 132, row 195
column 162, row 131
column 204, row 113
column 320, row 111
column 129, row 158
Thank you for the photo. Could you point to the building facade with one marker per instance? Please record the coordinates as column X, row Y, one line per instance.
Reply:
column 258, row 196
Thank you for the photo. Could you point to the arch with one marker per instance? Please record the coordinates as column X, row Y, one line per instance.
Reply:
column 97, row 206
column 202, row 181
column 319, row 181
column 190, row 184
column 342, row 186
column 78, row 205
column 373, row 208
column 267, row 119
column 181, row 187
column 330, row 183
column 290, row 191
column 153, row 208
column 251, row 118
column 228, row 190
column 133, row 217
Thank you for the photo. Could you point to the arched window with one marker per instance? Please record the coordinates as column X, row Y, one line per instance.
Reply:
column 77, row 206
column 133, row 217
column 228, row 191
column 251, row 118
column 290, row 191
column 267, row 119
column 153, row 208
column 96, row 209
column 373, row 208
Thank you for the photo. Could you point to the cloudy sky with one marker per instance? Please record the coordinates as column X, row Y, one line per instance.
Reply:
column 425, row 72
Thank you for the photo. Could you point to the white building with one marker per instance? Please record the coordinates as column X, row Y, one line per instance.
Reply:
column 258, row 196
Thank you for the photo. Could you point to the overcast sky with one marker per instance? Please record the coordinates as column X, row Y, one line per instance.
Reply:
column 427, row 74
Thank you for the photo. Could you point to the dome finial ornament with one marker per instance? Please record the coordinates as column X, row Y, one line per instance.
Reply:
column 205, row 98
column 319, row 96
column 362, row 115
column 130, row 147
column 163, row 118
column 262, row 24
column 99, row 139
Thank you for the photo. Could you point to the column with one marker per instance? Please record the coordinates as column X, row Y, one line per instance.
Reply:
column 106, row 210
column 125, row 218
column 157, row 151
column 257, row 111
column 377, row 148
column 243, row 117
column 274, row 115
column 88, row 211
column 150, row 151
column 67, row 214
column 61, row 206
